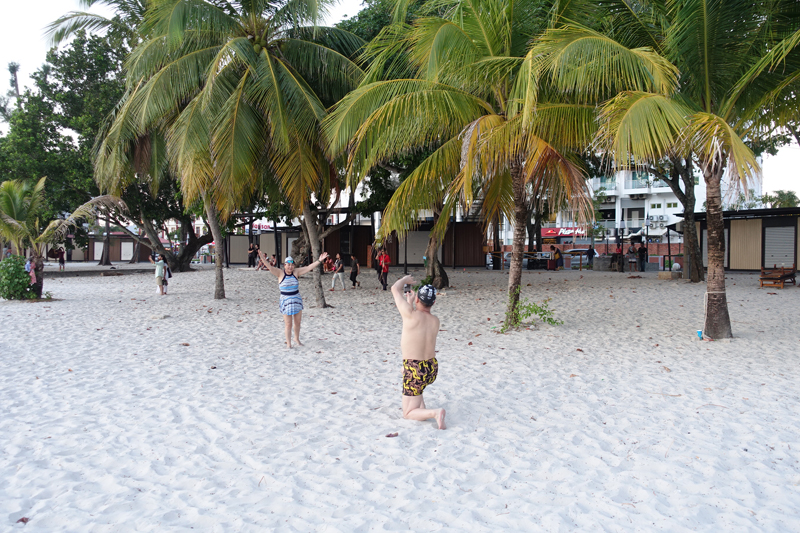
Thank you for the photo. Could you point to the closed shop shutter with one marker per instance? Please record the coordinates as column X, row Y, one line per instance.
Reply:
column 705, row 248
column 778, row 246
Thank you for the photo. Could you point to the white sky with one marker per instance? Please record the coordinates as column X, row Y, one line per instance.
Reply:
column 22, row 41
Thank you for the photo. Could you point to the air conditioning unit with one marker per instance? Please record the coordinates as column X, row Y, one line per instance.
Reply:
column 661, row 225
column 651, row 217
column 661, row 217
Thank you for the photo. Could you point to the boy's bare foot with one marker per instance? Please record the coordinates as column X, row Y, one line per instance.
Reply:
column 440, row 419
column 297, row 342
column 288, row 345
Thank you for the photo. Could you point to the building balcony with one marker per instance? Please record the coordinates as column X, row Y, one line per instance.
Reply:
column 609, row 185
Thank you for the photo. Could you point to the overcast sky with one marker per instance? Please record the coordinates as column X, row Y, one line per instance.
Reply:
column 22, row 41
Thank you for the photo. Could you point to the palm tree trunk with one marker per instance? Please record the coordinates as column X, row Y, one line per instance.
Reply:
column 435, row 270
column 216, row 232
column 717, row 321
column 105, row 257
column 518, row 244
column 37, row 263
column 310, row 222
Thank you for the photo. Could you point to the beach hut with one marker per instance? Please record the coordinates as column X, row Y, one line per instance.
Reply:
column 756, row 238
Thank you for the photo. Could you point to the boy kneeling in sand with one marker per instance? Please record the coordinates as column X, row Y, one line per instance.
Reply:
column 418, row 346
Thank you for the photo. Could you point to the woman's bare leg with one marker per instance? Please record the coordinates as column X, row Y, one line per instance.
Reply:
column 297, row 318
column 287, row 323
column 414, row 409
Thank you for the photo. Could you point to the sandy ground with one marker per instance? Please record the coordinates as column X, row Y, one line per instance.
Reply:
column 126, row 411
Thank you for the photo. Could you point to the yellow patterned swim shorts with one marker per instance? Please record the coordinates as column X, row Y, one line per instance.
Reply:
column 418, row 374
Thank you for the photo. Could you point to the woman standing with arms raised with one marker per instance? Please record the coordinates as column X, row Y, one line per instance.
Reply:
column 291, row 301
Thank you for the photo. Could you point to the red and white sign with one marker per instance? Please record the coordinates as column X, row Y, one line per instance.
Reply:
column 563, row 232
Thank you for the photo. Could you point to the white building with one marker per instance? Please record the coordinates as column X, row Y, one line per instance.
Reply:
column 635, row 204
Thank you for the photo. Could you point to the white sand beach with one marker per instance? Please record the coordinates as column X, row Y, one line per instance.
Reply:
column 126, row 411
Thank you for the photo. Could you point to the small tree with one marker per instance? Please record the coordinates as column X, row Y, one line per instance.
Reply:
column 21, row 204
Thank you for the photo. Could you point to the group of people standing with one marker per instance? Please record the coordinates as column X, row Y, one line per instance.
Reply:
column 637, row 258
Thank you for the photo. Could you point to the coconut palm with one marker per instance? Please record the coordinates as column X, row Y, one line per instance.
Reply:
column 21, row 204
column 236, row 90
column 458, row 84
column 128, row 15
column 727, row 53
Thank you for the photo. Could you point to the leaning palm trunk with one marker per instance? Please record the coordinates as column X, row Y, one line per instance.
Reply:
column 518, row 244
column 435, row 270
column 717, row 320
column 216, row 232
column 310, row 224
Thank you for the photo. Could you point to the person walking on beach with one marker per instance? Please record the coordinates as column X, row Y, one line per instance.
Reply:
column 160, row 271
column 355, row 270
column 338, row 272
column 61, row 259
column 291, row 303
column 384, row 261
column 418, row 348
column 642, row 253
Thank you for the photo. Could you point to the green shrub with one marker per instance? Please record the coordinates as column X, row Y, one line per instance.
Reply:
column 526, row 310
column 15, row 283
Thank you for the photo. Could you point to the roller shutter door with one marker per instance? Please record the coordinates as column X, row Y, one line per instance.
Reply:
column 779, row 246
column 705, row 248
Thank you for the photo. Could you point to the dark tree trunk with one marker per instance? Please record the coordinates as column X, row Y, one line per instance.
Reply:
column 530, row 226
column 691, row 242
column 105, row 257
column 435, row 269
column 497, row 257
column 135, row 256
column 37, row 262
column 682, row 172
column 717, row 320
column 216, row 232
column 520, row 216
column 310, row 225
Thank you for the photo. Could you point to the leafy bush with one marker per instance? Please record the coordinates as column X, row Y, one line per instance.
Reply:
column 425, row 281
column 526, row 310
column 15, row 283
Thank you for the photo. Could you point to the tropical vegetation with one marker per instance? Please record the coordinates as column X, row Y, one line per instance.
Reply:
column 21, row 222
column 736, row 59
column 228, row 97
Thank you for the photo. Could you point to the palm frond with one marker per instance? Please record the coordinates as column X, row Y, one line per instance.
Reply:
column 332, row 74
column 639, row 128
column 423, row 189
column 591, row 67
column 715, row 142
column 58, row 229
column 236, row 150
column 68, row 25
column 373, row 105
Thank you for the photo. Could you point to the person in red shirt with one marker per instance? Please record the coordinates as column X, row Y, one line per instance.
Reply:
column 384, row 261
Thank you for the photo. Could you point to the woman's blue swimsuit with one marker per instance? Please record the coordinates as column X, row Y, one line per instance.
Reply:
column 291, row 301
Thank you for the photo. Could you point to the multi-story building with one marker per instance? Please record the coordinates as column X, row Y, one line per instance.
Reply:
column 632, row 204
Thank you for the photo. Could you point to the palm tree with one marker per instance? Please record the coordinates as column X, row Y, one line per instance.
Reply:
column 236, row 90
column 129, row 14
column 21, row 204
column 726, row 52
column 468, row 86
